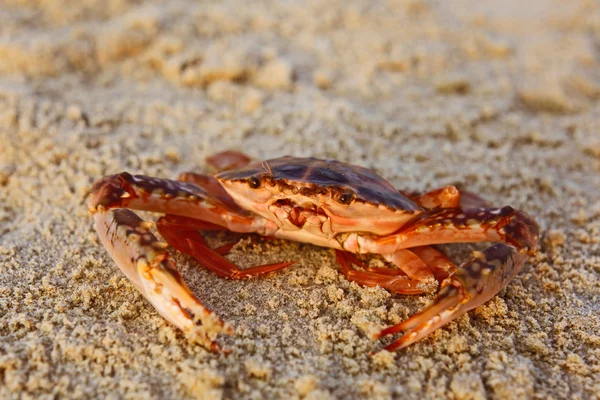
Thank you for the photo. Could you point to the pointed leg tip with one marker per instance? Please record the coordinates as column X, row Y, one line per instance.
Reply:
column 228, row 329
column 406, row 340
column 217, row 349
column 390, row 330
column 393, row 347
column 226, row 351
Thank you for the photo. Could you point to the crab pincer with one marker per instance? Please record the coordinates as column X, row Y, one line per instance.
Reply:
column 145, row 262
column 144, row 259
column 474, row 282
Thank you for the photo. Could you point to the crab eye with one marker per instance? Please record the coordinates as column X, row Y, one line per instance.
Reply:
column 346, row 198
column 254, row 182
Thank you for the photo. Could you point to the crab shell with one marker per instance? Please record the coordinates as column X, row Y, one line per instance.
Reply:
column 313, row 200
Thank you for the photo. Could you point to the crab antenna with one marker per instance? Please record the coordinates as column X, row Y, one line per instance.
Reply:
column 266, row 166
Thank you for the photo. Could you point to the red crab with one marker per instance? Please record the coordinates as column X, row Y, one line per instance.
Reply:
column 324, row 202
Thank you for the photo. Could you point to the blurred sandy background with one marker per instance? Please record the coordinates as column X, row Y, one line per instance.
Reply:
column 501, row 97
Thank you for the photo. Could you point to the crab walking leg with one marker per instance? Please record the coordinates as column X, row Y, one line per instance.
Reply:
column 423, row 264
column 395, row 282
column 477, row 280
column 446, row 197
column 225, row 268
column 351, row 258
column 170, row 227
column 182, row 233
column 142, row 258
column 229, row 159
column 440, row 265
column 414, row 268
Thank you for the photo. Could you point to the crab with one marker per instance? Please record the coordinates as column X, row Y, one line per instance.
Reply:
column 327, row 203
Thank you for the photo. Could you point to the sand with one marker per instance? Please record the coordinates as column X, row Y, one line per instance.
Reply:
column 500, row 97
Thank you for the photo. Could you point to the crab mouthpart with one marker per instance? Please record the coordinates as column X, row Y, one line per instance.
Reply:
column 287, row 212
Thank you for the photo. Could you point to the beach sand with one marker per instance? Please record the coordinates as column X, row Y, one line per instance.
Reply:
column 498, row 97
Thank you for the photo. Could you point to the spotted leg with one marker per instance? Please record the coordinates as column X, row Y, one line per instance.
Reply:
column 167, row 196
column 475, row 281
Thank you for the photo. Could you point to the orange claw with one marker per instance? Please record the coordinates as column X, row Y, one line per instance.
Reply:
column 143, row 259
column 473, row 283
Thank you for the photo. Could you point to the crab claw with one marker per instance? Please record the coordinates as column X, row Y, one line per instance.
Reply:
column 142, row 258
column 473, row 283
column 476, row 281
